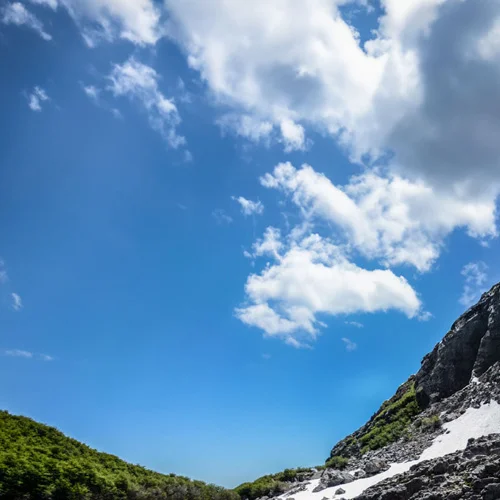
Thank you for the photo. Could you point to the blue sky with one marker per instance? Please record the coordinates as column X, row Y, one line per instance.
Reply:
column 229, row 233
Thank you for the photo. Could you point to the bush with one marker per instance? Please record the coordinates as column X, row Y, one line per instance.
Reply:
column 431, row 423
column 337, row 462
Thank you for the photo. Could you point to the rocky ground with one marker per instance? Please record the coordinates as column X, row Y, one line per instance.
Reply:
column 472, row 474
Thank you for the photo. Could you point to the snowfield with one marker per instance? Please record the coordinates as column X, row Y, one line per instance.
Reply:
column 474, row 423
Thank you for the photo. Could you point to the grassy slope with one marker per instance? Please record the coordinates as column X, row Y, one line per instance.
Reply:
column 39, row 462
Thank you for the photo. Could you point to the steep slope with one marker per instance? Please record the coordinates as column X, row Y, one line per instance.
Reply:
column 38, row 462
column 457, row 387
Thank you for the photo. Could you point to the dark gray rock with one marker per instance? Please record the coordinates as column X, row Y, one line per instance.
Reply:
column 375, row 466
column 458, row 476
column 340, row 491
column 333, row 477
column 469, row 349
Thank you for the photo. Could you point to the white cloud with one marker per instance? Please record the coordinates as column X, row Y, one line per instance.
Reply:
column 312, row 277
column 138, row 21
column 356, row 324
column 16, row 13
column 139, row 82
column 349, row 344
column 418, row 90
column 293, row 136
column 35, row 99
column 475, row 278
column 48, row 3
column 92, row 92
column 45, row 357
column 17, row 303
column 221, row 217
column 18, row 353
column 247, row 126
column 249, row 207
column 387, row 218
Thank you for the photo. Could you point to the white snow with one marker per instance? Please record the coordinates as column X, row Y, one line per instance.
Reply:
column 474, row 423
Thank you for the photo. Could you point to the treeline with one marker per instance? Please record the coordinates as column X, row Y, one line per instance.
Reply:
column 38, row 462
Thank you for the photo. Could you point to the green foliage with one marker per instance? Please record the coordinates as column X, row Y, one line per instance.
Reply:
column 337, row 462
column 272, row 484
column 431, row 423
column 38, row 462
column 391, row 422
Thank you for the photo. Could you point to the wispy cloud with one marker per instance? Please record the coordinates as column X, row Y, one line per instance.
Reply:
column 3, row 272
column 36, row 98
column 356, row 324
column 249, row 207
column 475, row 277
column 139, row 83
column 221, row 217
column 20, row 353
column 349, row 344
column 266, row 356
column 17, row 14
column 17, row 303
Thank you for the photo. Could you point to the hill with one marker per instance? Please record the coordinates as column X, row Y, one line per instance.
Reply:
column 38, row 462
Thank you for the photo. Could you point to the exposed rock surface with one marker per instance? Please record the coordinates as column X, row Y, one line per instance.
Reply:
column 472, row 474
column 467, row 350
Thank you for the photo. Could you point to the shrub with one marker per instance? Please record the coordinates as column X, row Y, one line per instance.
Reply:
column 337, row 462
column 431, row 423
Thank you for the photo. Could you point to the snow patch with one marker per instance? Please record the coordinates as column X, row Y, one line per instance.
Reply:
column 474, row 423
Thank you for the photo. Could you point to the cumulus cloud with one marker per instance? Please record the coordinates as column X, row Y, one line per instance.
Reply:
column 36, row 98
column 385, row 217
column 311, row 277
column 139, row 82
column 417, row 96
column 16, row 13
column 349, row 344
column 17, row 303
column 249, row 207
column 475, row 280
column 293, row 136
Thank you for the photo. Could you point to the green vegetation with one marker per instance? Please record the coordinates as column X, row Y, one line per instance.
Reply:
column 337, row 462
column 390, row 423
column 38, row 462
column 430, row 423
column 271, row 484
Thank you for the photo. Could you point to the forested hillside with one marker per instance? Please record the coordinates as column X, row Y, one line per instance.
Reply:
column 39, row 462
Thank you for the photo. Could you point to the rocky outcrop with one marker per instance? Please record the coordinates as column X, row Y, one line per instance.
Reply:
column 467, row 350
column 333, row 478
column 472, row 474
column 462, row 372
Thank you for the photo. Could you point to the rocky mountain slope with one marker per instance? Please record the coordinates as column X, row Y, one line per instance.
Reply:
column 450, row 408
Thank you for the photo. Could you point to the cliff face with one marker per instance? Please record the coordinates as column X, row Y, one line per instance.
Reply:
column 467, row 350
